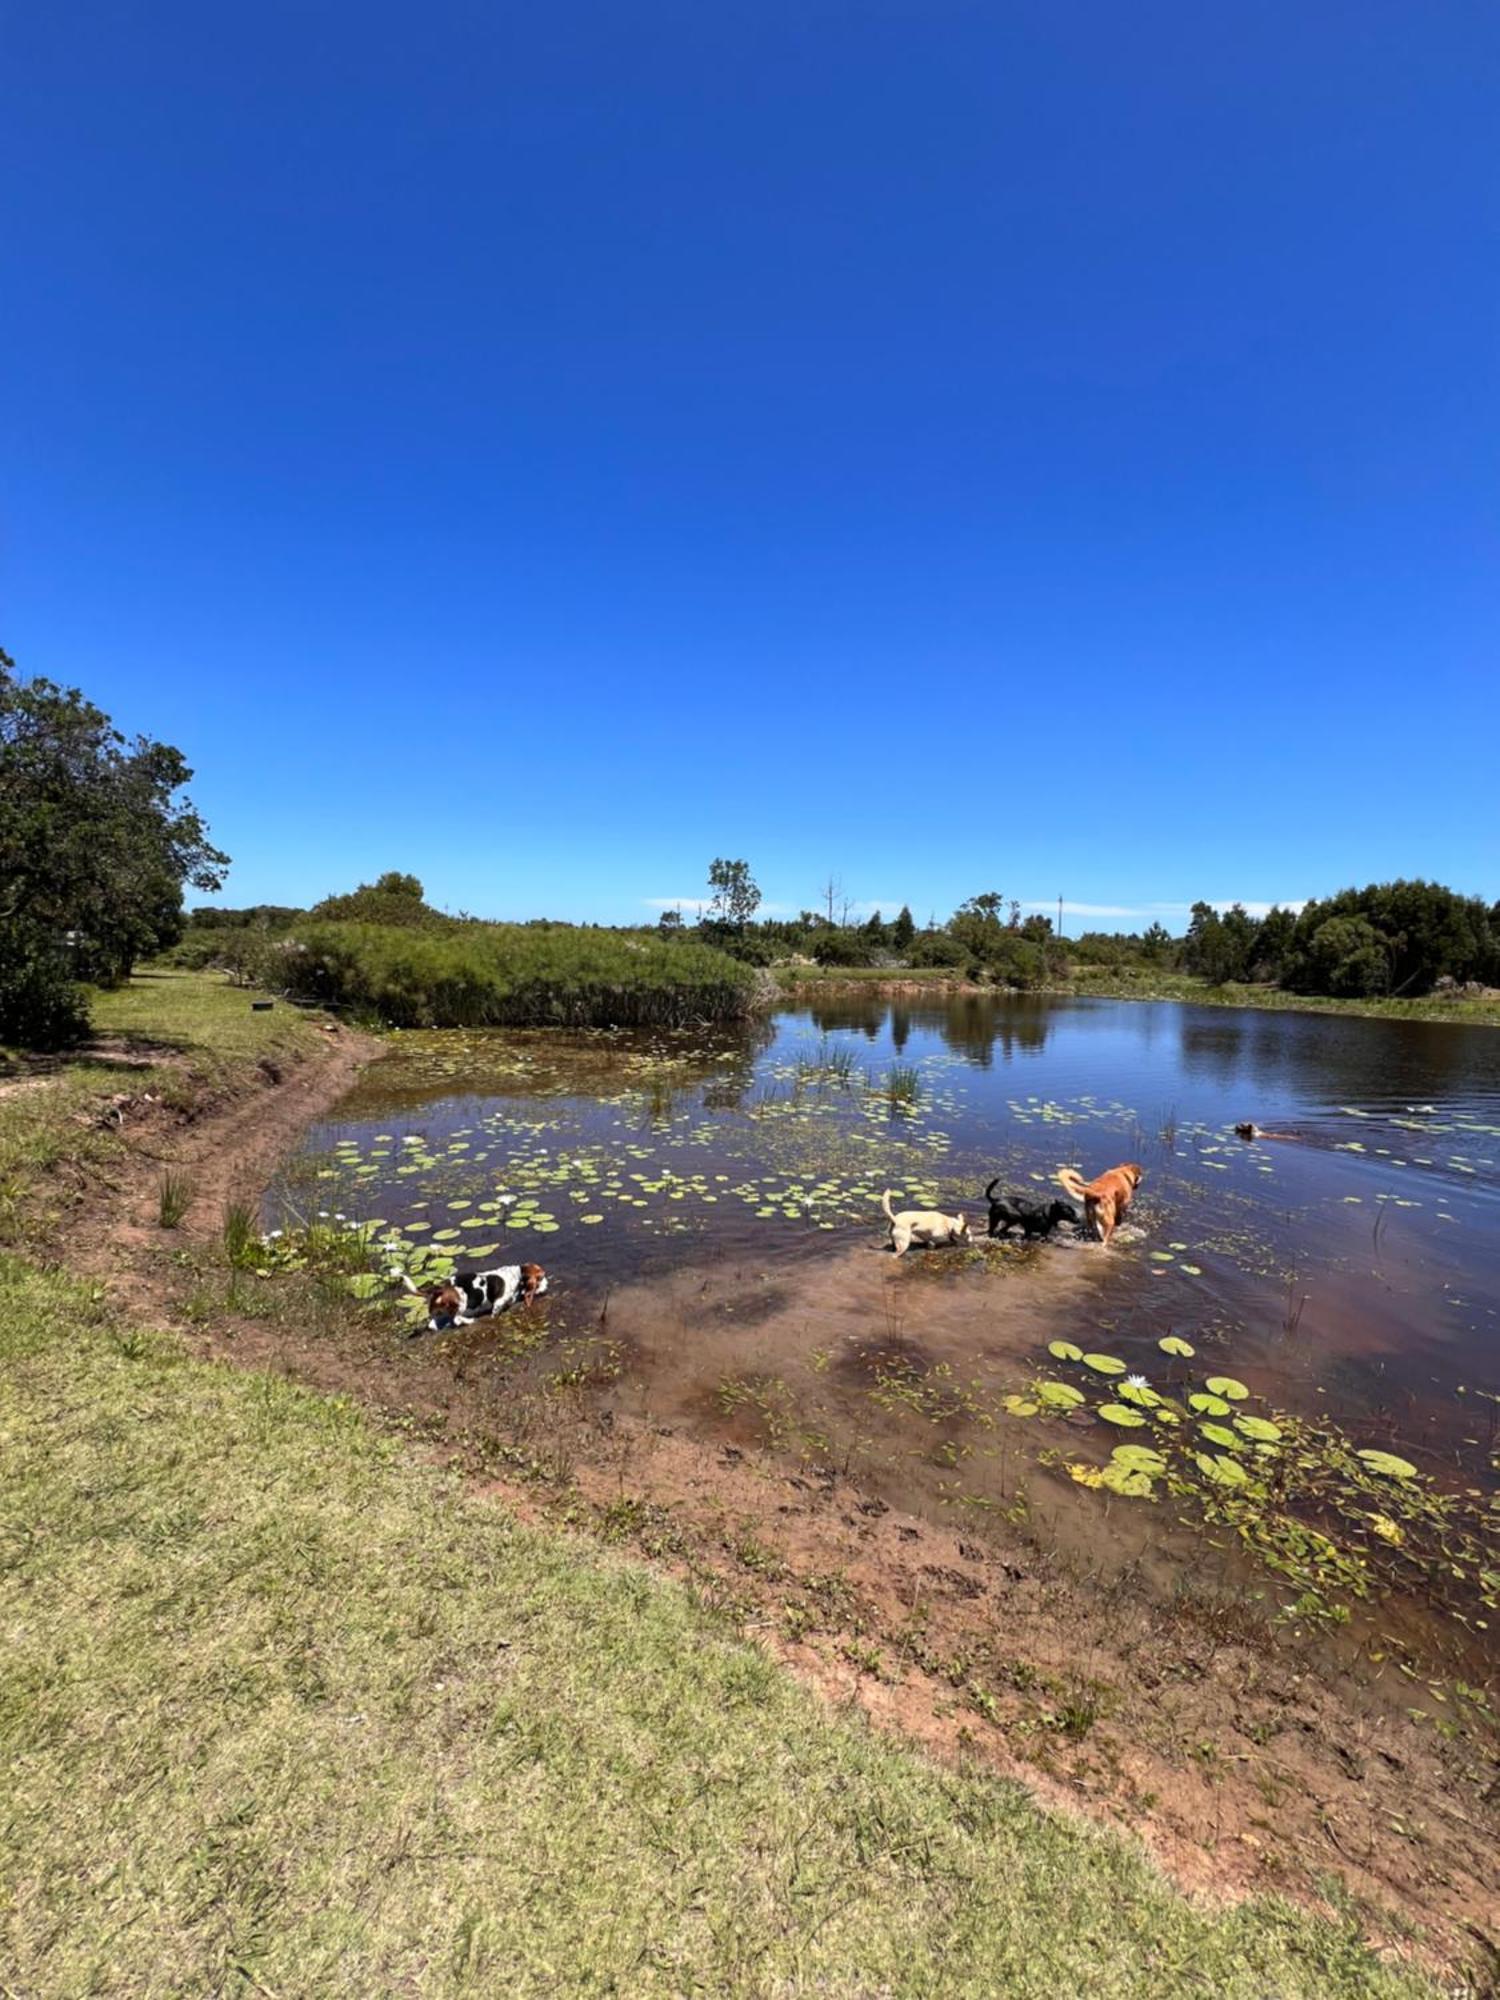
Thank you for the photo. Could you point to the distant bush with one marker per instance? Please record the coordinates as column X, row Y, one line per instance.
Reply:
column 392, row 899
column 846, row 947
column 518, row 975
column 938, row 948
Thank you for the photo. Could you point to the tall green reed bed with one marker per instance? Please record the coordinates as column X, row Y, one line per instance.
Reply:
column 520, row 976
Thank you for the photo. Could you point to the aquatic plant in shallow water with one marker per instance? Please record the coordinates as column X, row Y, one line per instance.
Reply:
column 1337, row 1522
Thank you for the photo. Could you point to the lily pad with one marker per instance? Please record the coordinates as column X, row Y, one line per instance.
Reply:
column 1139, row 1458
column 1139, row 1393
column 1133, row 1484
column 1064, row 1350
column 1388, row 1463
column 1121, row 1414
column 1223, row 1471
column 1209, row 1406
column 1226, row 1385
column 1021, row 1406
column 1104, row 1364
column 365, row 1284
column 1060, row 1395
column 1173, row 1343
column 1261, row 1429
column 1219, row 1434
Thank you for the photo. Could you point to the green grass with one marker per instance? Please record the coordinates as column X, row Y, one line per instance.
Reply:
column 790, row 977
column 200, row 1015
column 1150, row 985
column 1146, row 983
column 283, row 1710
column 519, row 975
column 183, row 1033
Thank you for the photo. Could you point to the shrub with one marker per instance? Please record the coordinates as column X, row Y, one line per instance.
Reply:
column 393, row 899
column 938, row 948
column 845, row 947
column 518, row 975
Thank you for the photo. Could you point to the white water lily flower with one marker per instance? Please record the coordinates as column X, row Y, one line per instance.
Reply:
column 1136, row 1382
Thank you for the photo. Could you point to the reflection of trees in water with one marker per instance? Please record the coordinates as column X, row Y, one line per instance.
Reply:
column 865, row 1017
column 1331, row 1056
column 972, row 1025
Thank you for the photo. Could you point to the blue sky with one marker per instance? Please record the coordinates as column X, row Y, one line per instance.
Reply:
column 1049, row 448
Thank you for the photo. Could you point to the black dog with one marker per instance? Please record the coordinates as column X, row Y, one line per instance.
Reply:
column 1021, row 1211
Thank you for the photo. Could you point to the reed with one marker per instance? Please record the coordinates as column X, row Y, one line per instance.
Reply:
column 519, row 975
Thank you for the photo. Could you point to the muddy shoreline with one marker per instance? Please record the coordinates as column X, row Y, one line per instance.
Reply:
column 1241, row 1757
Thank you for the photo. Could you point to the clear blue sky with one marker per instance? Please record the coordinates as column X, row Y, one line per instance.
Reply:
column 958, row 445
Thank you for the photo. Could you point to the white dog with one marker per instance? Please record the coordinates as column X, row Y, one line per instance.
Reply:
column 923, row 1226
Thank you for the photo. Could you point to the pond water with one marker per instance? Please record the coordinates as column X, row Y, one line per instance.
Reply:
column 707, row 1207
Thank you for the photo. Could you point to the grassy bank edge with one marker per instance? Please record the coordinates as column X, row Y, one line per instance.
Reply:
column 288, row 1709
column 1465, row 1010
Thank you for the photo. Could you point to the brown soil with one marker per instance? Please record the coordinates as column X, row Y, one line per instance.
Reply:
column 1247, row 1760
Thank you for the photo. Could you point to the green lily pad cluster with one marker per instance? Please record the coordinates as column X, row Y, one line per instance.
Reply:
column 1339, row 1521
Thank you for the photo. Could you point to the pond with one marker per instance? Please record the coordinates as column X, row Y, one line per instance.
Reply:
column 707, row 1206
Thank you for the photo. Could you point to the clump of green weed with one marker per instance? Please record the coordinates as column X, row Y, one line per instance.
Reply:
column 242, row 1242
column 174, row 1198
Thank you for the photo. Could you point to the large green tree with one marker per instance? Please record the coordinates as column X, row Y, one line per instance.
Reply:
column 96, row 844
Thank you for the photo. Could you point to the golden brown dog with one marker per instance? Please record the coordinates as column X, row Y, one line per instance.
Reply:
column 1106, row 1198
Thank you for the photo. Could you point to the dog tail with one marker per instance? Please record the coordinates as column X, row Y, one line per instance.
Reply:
column 396, row 1272
column 989, row 1193
column 1073, row 1183
column 885, row 1203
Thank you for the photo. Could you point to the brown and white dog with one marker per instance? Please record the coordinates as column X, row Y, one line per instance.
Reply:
column 925, row 1227
column 1106, row 1198
column 464, row 1296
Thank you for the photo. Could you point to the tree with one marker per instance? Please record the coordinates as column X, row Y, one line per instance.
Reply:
column 1208, row 950
column 394, row 899
column 1272, row 943
column 96, row 844
column 1156, row 944
column 735, row 898
column 903, row 930
column 1347, row 959
column 393, row 884
column 1426, row 932
column 669, row 923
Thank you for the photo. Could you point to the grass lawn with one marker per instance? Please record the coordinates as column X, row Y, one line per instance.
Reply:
column 286, row 1709
column 200, row 1015
column 283, row 1710
column 177, row 1034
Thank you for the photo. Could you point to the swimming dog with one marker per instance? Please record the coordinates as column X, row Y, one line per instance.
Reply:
column 464, row 1296
column 1024, row 1212
column 1106, row 1198
column 923, row 1226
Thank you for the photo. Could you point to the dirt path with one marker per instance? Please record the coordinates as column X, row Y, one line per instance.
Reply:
column 1244, row 1761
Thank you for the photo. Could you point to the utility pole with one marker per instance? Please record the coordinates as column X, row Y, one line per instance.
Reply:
column 1059, row 916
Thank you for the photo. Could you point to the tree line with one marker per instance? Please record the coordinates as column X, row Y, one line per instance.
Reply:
column 1399, row 939
column 98, row 842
